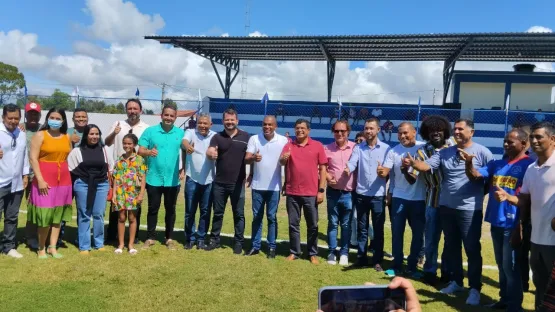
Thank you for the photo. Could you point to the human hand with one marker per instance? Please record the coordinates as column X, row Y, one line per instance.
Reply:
column 320, row 198
column 465, row 155
column 500, row 194
column 381, row 171
column 249, row 181
column 117, row 129
column 191, row 148
column 139, row 198
column 257, row 156
column 413, row 305
column 153, row 152
column 75, row 138
column 43, row 188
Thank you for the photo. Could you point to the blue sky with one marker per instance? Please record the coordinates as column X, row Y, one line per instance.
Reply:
column 59, row 24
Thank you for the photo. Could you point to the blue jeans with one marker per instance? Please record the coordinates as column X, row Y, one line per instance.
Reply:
column 96, row 212
column 463, row 227
column 271, row 199
column 197, row 195
column 433, row 235
column 403, row 210
column 340, row 208
column 508, row 262
column 365, row 205
column 354, row 240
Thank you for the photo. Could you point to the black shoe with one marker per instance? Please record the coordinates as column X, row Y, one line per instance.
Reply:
column 136, row 241
column 361, row 262
column 430, row 279
column 212, row 246
column 201, row 244
column 272, row 254
column 497, row 306
column 445, row 278
column 387, row 254
column 189, row 245
column 252, row 252
column 238, row 249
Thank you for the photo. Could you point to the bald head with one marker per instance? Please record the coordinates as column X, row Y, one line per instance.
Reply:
column 269, row 119
column 407, row 124
column 269, row 125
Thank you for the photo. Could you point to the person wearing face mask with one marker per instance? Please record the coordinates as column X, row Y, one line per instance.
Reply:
column 50, row 201
column 90, row 165
column 14, row 170
column 133, row 124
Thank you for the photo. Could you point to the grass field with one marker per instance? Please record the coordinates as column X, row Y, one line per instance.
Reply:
column 162, row 280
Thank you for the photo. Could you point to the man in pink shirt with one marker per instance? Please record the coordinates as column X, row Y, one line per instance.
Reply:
column 305, row 161
column 338, row 193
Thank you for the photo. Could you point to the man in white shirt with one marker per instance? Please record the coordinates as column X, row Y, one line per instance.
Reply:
column 133, row 124
column 14, row 171
column 536, row 201
column 200, row 171
column 408, row 200
column 263, row 151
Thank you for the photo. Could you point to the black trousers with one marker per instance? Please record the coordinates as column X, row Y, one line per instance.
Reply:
column 9, row 204
column 220, row 194
column 155, row 194
column 294, row 206
column 112, row 232
column 525, row 256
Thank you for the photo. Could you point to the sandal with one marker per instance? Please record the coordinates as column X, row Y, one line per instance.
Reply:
column 45, row 256
column 133, row 251
column 57, row 255
column 118, row 251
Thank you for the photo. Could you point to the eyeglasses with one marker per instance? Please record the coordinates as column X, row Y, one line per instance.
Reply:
column 339, row 131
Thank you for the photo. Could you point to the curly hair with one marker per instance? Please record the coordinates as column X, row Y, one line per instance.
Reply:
column 435, row 123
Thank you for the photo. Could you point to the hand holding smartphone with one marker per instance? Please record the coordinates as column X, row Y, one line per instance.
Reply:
column 361, row 299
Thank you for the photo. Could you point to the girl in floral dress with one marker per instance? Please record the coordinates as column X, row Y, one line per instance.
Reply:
column 128, row 190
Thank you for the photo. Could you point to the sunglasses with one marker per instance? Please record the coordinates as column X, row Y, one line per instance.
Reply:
column 339, row 131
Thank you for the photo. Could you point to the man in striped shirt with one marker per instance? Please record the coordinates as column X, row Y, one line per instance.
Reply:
column 436, row 130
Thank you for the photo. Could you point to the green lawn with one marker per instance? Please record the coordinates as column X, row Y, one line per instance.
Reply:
column 163, row 280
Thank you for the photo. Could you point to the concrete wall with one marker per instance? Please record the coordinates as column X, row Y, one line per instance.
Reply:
column 529, row 96
column 476, row 95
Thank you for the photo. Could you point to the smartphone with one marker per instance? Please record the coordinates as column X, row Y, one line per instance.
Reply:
column 360, row 299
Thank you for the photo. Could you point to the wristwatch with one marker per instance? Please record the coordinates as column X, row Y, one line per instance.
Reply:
column 321, row 190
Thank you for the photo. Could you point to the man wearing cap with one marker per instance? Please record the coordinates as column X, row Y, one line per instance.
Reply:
column 30, row 127
column 133, row 124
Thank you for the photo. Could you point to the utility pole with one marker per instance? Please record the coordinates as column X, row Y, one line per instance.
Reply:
column 163, row 95
column 245, row 63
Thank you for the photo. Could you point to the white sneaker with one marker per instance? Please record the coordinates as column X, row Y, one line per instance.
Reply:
column 452, row 288
column 473, row 297
column 331, row 259
column 344, row 260
column 14, row 254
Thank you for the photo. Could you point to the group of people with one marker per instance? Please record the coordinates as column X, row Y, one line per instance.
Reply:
column 435, row 186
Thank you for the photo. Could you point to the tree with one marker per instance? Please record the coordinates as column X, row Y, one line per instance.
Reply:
column 170, row 102
column 11, row 80
column 149, row 112
column 58, row 99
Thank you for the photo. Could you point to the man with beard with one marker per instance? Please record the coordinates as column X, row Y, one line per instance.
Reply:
column 506, row 177
column 408, row 204
column 161, row 146
column 263, row 152
column 437, row 131
column 461, row 201
column 133, row 124
column 306, row 163
column 536, row 203
column 200, row 173
column 228, row 149
column 31, row 126
column 14, row 170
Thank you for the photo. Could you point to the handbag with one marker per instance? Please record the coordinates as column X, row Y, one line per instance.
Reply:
column 110, row 180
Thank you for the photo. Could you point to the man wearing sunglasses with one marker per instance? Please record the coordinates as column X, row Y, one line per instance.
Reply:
column 133, row 124
column 339, row 192
column 14, row 171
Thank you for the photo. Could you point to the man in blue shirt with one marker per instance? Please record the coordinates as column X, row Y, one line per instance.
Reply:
column 161, row 146
column 506, row 174
column 370, row 190
column 461, row 202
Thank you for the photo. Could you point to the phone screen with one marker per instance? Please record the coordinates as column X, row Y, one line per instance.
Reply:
column 361, row 299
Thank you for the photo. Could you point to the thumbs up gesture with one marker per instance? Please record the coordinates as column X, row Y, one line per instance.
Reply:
column 154, row 152
column 286, row 155
column 191, row 148
column 408, row 161
column 117, row 129
column 75, row 138
column 212, row 153
column 500, row 194
column 381, row 171
column 257, row 156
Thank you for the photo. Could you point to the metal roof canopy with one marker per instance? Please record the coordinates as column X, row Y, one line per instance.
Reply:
column 449, row 48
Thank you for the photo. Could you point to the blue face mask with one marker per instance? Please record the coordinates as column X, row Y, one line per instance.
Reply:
column 55, row 124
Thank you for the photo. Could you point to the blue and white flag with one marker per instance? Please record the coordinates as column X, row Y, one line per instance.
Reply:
column 25, row 90
column 264, row 101
column 137, row 93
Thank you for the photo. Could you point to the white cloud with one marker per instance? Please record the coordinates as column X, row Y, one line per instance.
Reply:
column 539, row 29
column 121, row 21
column 129, row 61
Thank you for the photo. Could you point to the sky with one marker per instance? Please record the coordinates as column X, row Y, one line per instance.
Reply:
column 98, row 45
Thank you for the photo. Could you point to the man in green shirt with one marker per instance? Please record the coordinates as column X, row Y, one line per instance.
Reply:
column 161, row 146
column 80, row 121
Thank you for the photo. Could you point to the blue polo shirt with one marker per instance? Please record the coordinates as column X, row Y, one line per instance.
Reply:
column 365, row 159
column 508, row 176
column 163, row 170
